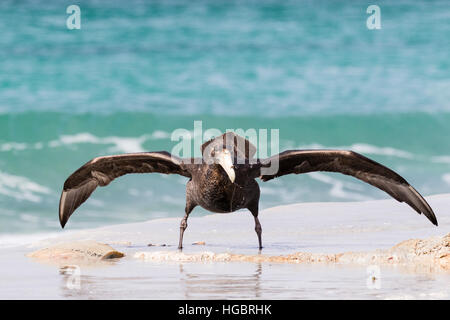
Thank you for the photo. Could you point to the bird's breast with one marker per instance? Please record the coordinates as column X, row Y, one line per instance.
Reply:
column 215, row 192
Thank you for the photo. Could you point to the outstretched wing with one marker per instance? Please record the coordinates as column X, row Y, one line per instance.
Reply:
column 352, row 164
column 102, row 170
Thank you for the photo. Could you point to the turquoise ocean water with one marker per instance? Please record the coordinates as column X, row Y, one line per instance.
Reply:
column 137, row 70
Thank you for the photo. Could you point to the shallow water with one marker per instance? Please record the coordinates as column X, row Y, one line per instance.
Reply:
column 135, row 279
column 310, row 227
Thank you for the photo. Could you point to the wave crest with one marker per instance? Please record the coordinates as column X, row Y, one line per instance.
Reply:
column 21, row 188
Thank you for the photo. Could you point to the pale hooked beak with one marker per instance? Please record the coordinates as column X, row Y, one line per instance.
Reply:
column 227, row 164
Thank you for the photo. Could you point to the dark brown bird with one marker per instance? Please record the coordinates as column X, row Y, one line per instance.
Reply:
column 223, row 180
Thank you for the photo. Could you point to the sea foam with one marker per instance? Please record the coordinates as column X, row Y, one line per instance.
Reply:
column 365, row 148
column 119, row 144
column 21, row 188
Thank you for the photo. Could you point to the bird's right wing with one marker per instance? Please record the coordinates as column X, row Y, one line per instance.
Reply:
column 102, row 170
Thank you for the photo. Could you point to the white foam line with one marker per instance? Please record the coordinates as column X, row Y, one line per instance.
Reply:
column 9, row 146
column 365, row 148
column 441, row 159
column 120, row 144
column 338, row 187
column 446, row 178
column 21, row 188
column 387, row 151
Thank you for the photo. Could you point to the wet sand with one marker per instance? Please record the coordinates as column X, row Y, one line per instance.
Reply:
column 318, row 228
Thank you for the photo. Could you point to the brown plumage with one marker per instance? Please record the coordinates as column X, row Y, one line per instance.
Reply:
column 223, row 180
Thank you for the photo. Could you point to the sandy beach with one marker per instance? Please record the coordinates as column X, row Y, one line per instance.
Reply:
column 318, row 228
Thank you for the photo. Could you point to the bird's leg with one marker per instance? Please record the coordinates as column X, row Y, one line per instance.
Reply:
column 183, row 224
column 258, row 229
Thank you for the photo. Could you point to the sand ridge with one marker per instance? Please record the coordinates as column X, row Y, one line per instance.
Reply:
column 432, row 252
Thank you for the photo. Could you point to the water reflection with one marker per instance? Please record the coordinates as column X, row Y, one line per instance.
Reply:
column 217, row 285
column 143, row 280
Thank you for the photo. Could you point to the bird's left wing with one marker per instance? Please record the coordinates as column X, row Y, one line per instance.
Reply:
column 102, row 170
column 349, row 163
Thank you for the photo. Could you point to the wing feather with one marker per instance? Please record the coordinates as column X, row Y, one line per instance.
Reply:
column 352, row 164
column 102, row 170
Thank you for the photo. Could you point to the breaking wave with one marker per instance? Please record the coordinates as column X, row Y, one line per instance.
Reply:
column 21, row 188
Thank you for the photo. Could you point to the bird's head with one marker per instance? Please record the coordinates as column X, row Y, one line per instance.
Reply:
column 223, row 157
column 227, row 150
